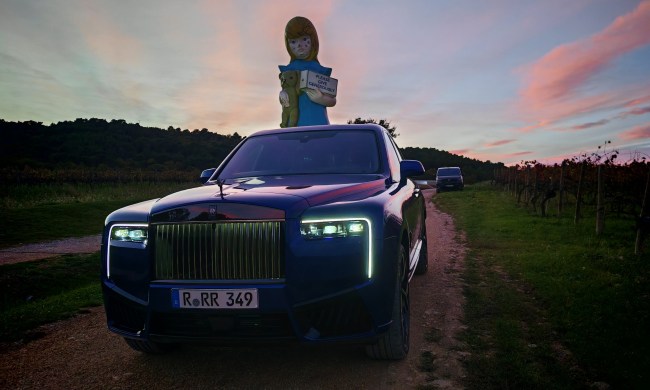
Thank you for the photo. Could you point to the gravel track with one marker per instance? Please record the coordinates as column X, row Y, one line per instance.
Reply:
column 43, row 250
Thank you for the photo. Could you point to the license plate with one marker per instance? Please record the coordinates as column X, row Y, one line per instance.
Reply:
column 215, row 299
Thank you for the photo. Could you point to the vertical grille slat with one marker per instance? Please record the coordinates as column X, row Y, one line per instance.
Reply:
column 238, row 250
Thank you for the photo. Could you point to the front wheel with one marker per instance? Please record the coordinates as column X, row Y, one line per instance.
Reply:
column 394, row 344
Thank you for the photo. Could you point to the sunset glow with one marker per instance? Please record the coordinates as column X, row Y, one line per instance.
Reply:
column 503, row 81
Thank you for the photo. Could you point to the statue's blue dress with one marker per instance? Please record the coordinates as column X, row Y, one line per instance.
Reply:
column 310, row 113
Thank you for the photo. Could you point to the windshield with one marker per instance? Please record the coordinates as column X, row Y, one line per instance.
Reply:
column 307, row 152
column 449, row 172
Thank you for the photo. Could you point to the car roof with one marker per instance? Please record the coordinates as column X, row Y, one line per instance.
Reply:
column 364, row 126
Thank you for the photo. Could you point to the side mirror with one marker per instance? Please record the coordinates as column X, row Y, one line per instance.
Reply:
column 206, row 175
column 410, row 168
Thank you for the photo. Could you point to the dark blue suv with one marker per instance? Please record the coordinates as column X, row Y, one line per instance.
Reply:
column 309, row 234
column 449, row 178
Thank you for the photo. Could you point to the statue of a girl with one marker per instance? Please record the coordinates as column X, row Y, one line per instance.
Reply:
column 301, row 41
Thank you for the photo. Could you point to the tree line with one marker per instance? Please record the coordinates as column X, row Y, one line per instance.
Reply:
column 97, row 150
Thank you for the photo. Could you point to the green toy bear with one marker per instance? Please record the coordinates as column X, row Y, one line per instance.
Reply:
column 290, row 82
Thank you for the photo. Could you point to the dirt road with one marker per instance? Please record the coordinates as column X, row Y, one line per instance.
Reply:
column 82, row 354
column 30, row 252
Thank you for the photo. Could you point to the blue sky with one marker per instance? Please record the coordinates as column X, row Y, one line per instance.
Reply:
column 498, row 80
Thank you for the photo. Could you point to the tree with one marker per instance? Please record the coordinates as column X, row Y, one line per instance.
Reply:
column 382, row 122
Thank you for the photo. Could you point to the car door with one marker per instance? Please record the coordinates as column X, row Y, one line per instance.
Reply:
column 412, row 205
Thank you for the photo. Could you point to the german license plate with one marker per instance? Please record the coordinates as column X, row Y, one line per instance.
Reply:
column 215, row 299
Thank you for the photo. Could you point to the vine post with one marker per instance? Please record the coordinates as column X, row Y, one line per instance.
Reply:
column 600, row 206
column 577, row 216
column 560, row 201
column 640, row 230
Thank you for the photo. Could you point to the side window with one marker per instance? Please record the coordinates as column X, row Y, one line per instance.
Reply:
column 393, row 157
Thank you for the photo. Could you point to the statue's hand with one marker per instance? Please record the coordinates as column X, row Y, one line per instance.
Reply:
column 284, row 98
column 316, row 96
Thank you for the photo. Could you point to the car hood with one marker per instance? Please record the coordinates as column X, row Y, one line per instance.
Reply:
column 254, row 198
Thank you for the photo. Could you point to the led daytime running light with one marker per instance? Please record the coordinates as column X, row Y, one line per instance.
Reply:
column 129, row 233
column 315, row 229
column 332, row 229
column 132, row 232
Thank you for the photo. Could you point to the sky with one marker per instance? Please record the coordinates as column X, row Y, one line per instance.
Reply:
column 495, row 80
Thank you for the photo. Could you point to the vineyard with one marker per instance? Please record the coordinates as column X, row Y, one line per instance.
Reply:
column 84, row 175
column 584, row 188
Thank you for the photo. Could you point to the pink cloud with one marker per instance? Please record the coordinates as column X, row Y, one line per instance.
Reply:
column 590, row 124
column 460, row 152
column 638, row 101
column 507, row 158
column 499, row 143
column 638, row 132
column 622, row 115
column 107, row 40
column 529, row 128
column 567, row 67
column 639, row 111
column 517, row 154
column 555, row 112
column 633, row 111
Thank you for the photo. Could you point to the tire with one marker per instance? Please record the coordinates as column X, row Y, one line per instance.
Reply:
column 149, row 347
column 394, row 344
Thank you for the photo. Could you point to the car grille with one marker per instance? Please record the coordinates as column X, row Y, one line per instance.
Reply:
column 219, row 250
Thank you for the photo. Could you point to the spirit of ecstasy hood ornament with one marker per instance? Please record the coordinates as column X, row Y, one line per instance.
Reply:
column 220, row 183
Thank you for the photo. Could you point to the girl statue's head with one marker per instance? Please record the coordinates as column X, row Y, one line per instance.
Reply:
column 301, row 39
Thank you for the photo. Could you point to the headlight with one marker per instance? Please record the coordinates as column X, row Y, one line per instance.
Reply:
column 125, row 232
column 333, row 229
column 340, row 228
column 134, row 233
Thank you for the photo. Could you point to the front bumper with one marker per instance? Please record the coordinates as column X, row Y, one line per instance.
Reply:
column 325, row 296
column 344, row 316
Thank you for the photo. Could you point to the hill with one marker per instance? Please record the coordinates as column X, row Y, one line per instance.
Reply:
column 99, row 150
column 107, row 150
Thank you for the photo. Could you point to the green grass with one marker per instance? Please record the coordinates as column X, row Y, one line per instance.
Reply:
column 41, row 212
column 549, row 304
column 39, row 292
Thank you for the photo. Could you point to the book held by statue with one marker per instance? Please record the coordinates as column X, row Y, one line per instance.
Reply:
column 310, row 79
